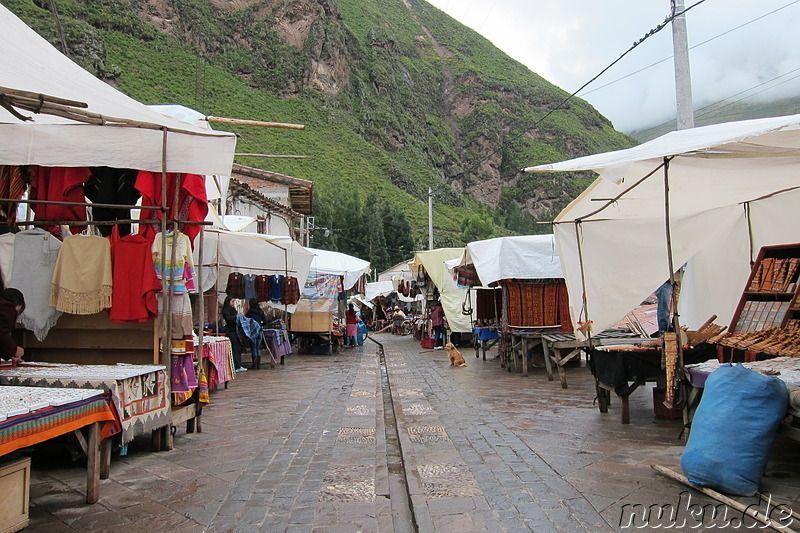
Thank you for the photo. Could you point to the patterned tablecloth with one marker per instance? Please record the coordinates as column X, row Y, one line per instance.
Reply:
column 30, row 415
column 218, row 352
column 139, row 393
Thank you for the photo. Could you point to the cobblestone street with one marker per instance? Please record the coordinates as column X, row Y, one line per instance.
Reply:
column 313, row 446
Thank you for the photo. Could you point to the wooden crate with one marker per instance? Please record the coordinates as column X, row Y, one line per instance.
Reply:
column 15, row 483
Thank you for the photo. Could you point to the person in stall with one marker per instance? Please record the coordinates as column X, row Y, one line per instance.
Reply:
column 12, row 304
column 256, row 313
column 351, row 325
column 437, row 322
column 229, row 314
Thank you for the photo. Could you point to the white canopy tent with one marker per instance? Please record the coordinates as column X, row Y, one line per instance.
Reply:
column 251, row 254
column 728, row 189
column 400, row 271
column 450, row 295
column 29, row 63
column 338, row 264
column 520, row 257
column 379, row 288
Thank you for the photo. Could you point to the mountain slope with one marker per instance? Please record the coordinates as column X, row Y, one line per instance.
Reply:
column 397, row 97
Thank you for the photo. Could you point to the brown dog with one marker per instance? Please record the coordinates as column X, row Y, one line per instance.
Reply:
column 456, row 359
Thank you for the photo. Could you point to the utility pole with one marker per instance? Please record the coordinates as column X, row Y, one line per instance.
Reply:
column 683, row 78
column 430, row 218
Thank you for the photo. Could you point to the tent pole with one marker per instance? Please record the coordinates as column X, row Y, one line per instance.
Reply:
column 749, row 233
column 202, row 299
column 674, row 280
column 165, row 339
column 585, row 304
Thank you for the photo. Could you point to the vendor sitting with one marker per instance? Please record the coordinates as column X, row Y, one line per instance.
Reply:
column 12, row 304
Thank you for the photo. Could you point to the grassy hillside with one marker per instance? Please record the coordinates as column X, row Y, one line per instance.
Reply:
column 397, row 97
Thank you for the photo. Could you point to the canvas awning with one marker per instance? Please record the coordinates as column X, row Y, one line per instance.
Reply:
column 339, row 264
column 250, row 254
column 520, row 257
column 29, row 63
column 451, row 296
column 732, row 188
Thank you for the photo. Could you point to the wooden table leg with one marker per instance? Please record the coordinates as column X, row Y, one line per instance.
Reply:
column 547, row 363
column 93, row 464
column 105, row 458
column 524, row 357
column 602, row 397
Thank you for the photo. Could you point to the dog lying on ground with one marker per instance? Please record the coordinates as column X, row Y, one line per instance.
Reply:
column 456, row 359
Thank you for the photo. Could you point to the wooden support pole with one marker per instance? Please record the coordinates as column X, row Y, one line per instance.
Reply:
column 273, row 156
column 244, row 122
column 93, row 464
column 748, row 510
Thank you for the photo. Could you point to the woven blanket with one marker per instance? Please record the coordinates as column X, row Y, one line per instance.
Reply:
column 35, row 255
column 82, row 281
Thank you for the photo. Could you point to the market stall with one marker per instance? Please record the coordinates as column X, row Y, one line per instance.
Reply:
column 707, row 197
column 451, row 295
column 54, row 117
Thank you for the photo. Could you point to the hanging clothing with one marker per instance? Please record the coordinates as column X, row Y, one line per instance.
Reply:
column 290, row 291
column 108, row 185
column 249, row 286
column 135, row 280
column 235, row 286
column 6, row 258
column 62, row 184
column 35, row 256
column 275, row 283
column 82, row 280
column 249, row 329
column 182, row 323
column 192, row 200
column 13, row 182
column 262, row 288
column 182, row 271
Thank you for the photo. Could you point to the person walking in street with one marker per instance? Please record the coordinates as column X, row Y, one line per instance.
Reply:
column 229, row 314
column 351, row 325
column 437, row 322
column 398, row 317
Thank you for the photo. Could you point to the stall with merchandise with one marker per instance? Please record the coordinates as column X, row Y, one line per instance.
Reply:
column 96, row 293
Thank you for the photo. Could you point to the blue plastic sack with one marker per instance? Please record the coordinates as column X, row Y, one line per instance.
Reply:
column 733, row 430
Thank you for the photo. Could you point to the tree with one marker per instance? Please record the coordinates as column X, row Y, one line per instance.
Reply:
column 477, row 227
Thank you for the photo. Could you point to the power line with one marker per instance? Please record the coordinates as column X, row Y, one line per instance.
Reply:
column 649, row 34
column 690, row 48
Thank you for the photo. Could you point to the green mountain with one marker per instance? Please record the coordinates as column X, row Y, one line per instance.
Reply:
column 397, row 97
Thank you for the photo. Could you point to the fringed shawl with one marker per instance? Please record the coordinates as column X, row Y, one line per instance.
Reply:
column 35, row 255
column 82, row 279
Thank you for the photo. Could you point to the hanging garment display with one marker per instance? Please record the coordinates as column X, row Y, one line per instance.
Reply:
column 262, row 288
column 235, row 286
column 275, row 285
column 192, row 200
column 182, row 324
column 108, row 185
column 62, row 184
column 35, row 256
column 249, row 286
column 6, row 258
column 82, row 280
column 182, row 272
column 13, row 182
column 135, row 280
column 290, row 291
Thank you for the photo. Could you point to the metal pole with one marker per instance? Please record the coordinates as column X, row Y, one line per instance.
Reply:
column 430, row 218
column 683, row 78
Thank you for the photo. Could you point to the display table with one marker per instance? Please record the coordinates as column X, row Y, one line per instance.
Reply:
column 623, row 371
column 278, row 343
column 485, row 338
column 787, row 369
column 31, row 415
column 217, row 356
column 139, row 393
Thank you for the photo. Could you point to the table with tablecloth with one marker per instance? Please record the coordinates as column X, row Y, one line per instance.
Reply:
column 625, row 370
column 139, row 393
column 31, row 415
column 217, row 358
column 278, row 343
column 485, row 338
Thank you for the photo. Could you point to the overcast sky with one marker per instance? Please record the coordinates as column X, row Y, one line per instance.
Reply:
column 568, row 42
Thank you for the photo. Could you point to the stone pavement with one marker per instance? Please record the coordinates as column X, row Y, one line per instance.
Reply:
column 363, row 442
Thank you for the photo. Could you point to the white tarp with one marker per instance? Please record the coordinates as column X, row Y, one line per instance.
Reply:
column 250, row 254
column 716, row 175
column 451, row 296
column 29, row 63
column 379, row 288
column 401, row 270
column 339, row 264
column 521, row 257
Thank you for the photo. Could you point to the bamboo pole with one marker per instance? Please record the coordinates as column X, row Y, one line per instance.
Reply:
column 748, row 510
column 273, row 156
column 5, row 91
column 676, row 323
column 245, row 122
